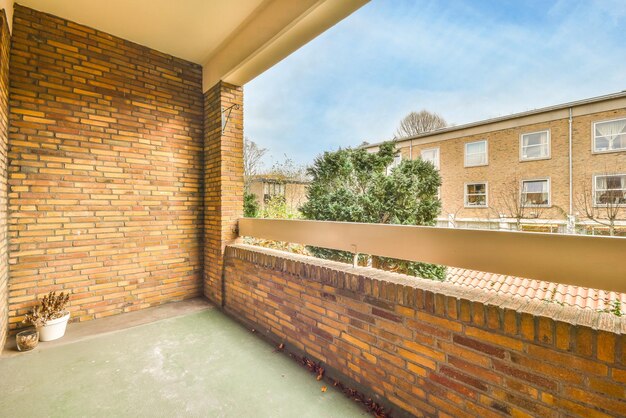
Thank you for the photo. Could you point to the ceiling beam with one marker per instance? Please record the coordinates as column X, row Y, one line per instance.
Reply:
column 275, row 30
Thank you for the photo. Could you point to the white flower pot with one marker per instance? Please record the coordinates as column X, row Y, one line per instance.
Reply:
column 54, row 329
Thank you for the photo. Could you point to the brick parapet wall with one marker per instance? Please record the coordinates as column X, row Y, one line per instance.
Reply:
column 5, row 43
column 105, row 176
column 223, row 179
column 432, row 348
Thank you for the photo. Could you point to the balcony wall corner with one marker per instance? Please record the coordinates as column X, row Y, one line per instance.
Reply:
column 223, row 179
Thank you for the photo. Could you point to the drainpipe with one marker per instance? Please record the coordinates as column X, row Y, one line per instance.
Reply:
column 570, row 218
column 411, row 150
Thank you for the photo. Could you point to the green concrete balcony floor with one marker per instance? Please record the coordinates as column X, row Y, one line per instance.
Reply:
column 199, row 363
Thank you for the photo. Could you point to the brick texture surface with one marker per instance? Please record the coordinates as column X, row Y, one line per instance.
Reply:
column 105, row 170
column 431, row 348
column 5, row 43
column 223, row 179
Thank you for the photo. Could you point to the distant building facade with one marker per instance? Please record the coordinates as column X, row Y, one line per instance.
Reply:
column 555, row 169
column 269, row 187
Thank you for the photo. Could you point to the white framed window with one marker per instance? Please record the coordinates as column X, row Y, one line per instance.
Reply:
column 535, row 192
column 476, row 153
column 609, row 136
column 476, row 195
column 397, row 159
column 609, row 189
column 431, row 155
column 535, row 146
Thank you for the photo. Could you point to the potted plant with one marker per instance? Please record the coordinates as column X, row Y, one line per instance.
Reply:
column 50, row 316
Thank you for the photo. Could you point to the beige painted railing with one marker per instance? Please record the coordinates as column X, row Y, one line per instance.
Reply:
column 596, row 262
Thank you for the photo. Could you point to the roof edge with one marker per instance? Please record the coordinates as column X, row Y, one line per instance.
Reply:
column 595, row 99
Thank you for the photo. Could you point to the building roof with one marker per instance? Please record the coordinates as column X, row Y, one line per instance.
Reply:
column 538, row 290
column 596, row 99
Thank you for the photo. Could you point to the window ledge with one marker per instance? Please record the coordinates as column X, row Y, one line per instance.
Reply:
column 612, row 151
column 526, row 160
column 478, row 165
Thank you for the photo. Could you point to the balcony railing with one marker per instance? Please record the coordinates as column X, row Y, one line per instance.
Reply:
column 588, row 261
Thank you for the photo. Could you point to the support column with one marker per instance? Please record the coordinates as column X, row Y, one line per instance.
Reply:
column 223, row 179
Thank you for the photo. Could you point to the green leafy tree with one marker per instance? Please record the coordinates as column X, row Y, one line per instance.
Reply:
column 251, row 206
column 352, row 185
column 277, row 208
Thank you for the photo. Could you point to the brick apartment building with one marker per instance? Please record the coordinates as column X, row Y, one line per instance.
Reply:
column 556, row 169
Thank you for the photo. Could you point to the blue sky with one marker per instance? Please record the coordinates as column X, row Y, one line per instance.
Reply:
column 466, row 60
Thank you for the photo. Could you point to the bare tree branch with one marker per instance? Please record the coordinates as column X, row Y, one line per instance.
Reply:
column 416, row 123
column 288, row 170
column 604, row 212
column 252, row 156
column 510, row 204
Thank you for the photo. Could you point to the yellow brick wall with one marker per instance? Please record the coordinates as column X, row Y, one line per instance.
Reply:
column 105, row 175
column 505, row 168
column 427, row 347
column 223, row 179
column 5, row 42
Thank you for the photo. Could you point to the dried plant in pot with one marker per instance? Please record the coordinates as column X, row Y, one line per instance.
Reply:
column 50, row 316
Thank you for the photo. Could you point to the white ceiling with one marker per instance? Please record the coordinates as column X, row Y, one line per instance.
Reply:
column 233, row 40
column 188, row 29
